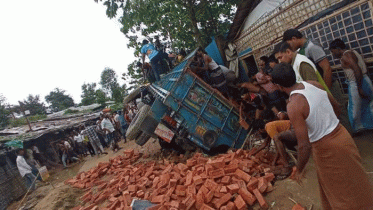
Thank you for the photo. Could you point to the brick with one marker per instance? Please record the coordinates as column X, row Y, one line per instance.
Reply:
column 223, row 189
column 140, row 194
column 242, row 175
column 223, row 200
column 158, row 199
column 132, row 188
column 199, row 200
column 217, row 163
column 173, row 182
column 262, row 185
column 247, row 196
column 189, row 178
column 182, row 167
column 180, row 190
column 210, row 184
column 240, row 203
column 164, row 180
column 233, row 188
column 127, row 198
column 242, row 184
column 208, row 197
column 226, row 180
column 203, row 190
column 269, row 187
column 298, row 207
column 261, row 200
column 174, row 204
column 128, row 153
column 191, row 190
column 197, row 180
column 231, row 168
column 187, row 203
column 269, row 177
column 155, row 182
column 191, row 162
column 155, row 207
column 217, row 173
column 231, row 206
column 206, row 207
column 253, row 184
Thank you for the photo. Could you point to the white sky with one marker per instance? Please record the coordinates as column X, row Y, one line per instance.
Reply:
column 46, row 44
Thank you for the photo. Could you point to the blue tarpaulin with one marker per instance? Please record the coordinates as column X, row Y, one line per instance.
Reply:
column 213, row 51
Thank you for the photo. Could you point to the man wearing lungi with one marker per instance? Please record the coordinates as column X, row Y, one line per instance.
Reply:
column 343, row 181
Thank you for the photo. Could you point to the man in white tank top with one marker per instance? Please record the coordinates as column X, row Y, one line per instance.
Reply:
column 313, row 112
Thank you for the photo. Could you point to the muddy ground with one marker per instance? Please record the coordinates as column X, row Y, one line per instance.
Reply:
column 56, row 195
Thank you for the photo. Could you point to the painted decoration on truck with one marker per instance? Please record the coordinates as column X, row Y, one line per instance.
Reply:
column 196, row 98
column 216, row 111
column 233, row 123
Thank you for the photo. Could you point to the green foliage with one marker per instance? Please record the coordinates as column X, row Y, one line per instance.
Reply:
column 109, row 81
column 33, row 104
column 116, row 106
column 4, row 113
column 89, row 94
column 58, row 100
column 22, row 121
column 119, row 93
column 101, row 97
column 71, row 111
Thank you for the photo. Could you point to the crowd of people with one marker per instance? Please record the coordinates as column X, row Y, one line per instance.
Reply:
column 86, row 139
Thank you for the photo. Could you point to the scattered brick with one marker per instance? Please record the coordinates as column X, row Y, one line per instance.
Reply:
column 240, row 203
column 247, row 196
column 233, row 188
column 223, row 200
column 259, row 196
column 298, row 207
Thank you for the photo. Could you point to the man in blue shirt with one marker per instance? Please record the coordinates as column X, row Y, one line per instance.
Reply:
column 154, row 56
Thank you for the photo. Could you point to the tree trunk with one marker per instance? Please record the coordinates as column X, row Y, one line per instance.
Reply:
column 192, row 15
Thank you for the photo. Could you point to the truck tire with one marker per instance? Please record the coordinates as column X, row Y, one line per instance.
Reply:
column 142, row 139
column 134, row 128
column 132, row 95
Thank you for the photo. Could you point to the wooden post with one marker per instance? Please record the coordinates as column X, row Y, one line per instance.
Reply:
column 24, row 114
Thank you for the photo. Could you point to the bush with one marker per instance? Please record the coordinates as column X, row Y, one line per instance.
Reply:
column 71, row 111
column 116, row 107
column 22, row 121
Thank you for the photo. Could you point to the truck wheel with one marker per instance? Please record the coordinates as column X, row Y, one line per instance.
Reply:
column 142, row 139
column 134, row 128
column 132, row 95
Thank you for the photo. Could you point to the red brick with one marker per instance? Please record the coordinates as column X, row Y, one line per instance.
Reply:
column 173, row 182
column 210, row 184
column 261, row 200
column 191, row 190
column 298, row 207
column 140, row 194
column 155, row 182
column 199, row 200
column 187, row 203
column 217, row 173
column 127, row 198
column 197, row 180
column 231, row 206
column 217, row 163
column 158, row 199
column 242, row 184
column 191, row 162
column 247, row 196
column 155, row 207
column 180, row 190
column 223, row 200
column 231, row 168
column 242, row 175
column 240, row 203
column 233, row 188
column 269, row 187
column 269, row 177
column 206, row 207
column 226, row 180
column 128, row 153
column 203, row 189
column 262, row 185
column 132, row 188
column 175, row 204
column 208, row 197
column 189, row 178
column 223, row 189
column 164, row 180
column 182, row 167
column 252, row 184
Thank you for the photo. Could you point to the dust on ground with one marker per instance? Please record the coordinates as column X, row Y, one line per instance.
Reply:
column 56, row 195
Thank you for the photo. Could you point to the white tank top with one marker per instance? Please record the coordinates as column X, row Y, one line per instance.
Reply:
column 321, row 119
column 213, row 65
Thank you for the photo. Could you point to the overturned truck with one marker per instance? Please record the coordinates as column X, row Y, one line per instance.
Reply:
column 183, row 113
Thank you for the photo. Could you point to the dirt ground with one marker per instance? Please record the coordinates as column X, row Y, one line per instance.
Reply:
column 56, row 195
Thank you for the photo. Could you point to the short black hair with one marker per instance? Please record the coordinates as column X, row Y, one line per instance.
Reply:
column 337, row 44
column 272, row 58
column 290, row 33
column 144, row 42
column 281, row 47
column 264, row 58
column 283, row 74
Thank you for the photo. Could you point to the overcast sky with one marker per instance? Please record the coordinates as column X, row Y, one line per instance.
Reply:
column 46, row 44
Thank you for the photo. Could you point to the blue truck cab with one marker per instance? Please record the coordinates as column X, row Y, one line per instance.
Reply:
column 184, row 112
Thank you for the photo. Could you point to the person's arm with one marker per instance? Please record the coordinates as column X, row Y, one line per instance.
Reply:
column 296, row 111
column 336, row 106
column 324, row 64
column 307, row 72
column 350, row 60
column 265, row 144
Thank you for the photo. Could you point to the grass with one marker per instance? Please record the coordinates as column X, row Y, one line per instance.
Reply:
column 71, row 111
column 22, row 120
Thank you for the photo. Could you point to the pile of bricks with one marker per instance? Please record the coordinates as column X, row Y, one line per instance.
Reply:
column 228, row 181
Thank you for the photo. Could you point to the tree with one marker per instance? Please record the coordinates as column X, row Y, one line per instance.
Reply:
column 101, row 97
column 109, row 81
column 4, row 113
column 119, row 93
column 58, row 100
column 33, row 104
column 89, row 94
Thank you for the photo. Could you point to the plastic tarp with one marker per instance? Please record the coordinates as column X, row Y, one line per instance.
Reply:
column 213, row 51
column 263, row 8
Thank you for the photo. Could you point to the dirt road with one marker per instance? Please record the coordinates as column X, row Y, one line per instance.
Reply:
column 60, row 196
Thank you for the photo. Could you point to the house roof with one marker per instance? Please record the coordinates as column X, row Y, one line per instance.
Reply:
column 243, row 10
